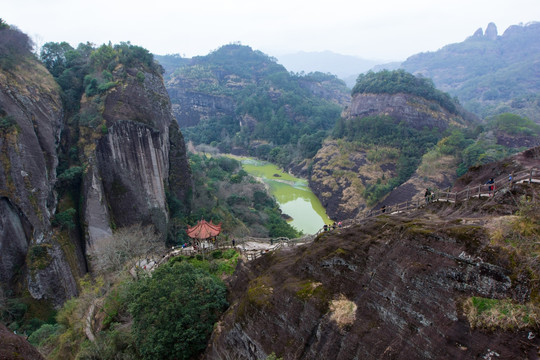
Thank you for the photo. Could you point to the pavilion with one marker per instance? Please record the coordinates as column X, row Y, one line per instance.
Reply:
column 204, row 230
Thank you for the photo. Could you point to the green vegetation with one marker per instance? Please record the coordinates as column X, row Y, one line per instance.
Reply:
column 168, row 315
column 400, row 81
column 395, row 138
column 223, row 192
column 501, row 314
column 15, row 46
column 478, row 147
column 65, row 219
column 282, row 111
column 217, row 263
column 513, row 125
column 174, row 311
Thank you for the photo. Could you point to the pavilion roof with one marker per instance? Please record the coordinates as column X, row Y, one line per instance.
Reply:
column 204, row 230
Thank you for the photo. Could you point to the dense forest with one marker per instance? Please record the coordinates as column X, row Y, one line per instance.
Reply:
column 283, row 120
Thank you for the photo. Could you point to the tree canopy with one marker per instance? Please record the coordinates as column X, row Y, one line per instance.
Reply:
column 400, row 81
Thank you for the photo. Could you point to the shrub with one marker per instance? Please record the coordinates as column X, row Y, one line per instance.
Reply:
column 65, row 219
column 174, row 311
column 45, row 335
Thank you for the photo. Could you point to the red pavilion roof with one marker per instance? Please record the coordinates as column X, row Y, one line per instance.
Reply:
column 204, row 230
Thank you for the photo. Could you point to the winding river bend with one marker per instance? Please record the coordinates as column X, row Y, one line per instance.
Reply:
column 292, row 194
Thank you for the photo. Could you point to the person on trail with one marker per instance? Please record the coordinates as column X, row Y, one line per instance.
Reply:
column 427, row 196
column 383, row 209
column 491, row 186
column 339, row 224
column 325, row 227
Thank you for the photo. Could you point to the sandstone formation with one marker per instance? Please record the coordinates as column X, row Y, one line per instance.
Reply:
column 341, row 171
column 15, row 347
column 389, row 288
column 31, row 107
column 133, row 161
column 413, row 110
column 129, row 164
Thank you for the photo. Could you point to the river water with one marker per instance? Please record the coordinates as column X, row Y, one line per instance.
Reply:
column 292, row 194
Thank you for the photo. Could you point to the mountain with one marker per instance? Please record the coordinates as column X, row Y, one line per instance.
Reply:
column 343, row 66
column 90, row 145
column 242, row 101
column 489, row 73
column 393, row 120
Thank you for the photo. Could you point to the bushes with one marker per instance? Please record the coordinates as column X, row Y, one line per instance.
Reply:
column 174, row 311
column 65, row 219
column 14, row 46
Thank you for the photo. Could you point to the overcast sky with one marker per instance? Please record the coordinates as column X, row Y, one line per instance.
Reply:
column 371, row 29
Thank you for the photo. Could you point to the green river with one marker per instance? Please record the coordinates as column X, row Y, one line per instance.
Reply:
column 292, row 194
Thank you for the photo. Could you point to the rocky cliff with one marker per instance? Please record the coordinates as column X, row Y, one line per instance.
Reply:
column 123, row 141
column 345, row 172
column 128, row 151
column 31, row 114
column 389, row 288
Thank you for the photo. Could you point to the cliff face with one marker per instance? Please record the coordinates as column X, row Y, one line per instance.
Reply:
column 133, row 161
column 191, row 106
column 31, row 111
column 391, row 287
column 342, row 170
column 413, row 110
column 129, row 161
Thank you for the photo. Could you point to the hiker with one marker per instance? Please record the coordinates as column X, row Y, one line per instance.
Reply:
column 339, row 224
column 383, row 209
column 334, row 226
column 427, row 196
column 325, row 227
column 491, row 187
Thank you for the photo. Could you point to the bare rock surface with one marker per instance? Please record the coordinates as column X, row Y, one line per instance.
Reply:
column 16, row 347
column 389, row 288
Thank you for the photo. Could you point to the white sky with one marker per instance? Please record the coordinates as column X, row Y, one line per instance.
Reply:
column 371, row 29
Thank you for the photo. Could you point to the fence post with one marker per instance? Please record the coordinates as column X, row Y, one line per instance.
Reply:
column 479, row 186
column 467, row 193
column 530, row 176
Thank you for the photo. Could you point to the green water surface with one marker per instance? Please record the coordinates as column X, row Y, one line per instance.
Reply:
column 292, row 194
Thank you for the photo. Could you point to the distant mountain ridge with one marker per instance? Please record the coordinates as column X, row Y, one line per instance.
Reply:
column 488, row 73
column 344, row 66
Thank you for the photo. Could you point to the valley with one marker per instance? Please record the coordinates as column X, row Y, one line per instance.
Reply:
column 109, row 155
column 292, row 194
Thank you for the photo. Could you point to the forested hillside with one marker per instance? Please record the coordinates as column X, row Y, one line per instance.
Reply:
column 243, row 101
column 489, row 73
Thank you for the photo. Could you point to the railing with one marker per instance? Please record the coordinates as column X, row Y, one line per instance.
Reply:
column 482, row 190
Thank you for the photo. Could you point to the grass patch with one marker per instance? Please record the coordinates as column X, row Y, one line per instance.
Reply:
column 500, row 314
column 343, row 312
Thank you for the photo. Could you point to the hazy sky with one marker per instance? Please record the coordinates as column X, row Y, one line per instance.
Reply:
column 371, row 29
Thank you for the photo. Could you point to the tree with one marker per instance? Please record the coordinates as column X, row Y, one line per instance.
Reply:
column 53, row 55
column 174, row 311
column 125, row 244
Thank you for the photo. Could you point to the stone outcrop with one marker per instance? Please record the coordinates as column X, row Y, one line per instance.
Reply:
column 134, row 162
column 127, row 179
column 491, row 31
column 16, row 347
column 341, row 171
column 389, row 288
column 31, row 110
column 413, row 110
